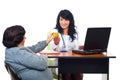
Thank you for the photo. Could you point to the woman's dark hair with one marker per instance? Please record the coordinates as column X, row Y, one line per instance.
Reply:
column 66, row 14
column 13, row 36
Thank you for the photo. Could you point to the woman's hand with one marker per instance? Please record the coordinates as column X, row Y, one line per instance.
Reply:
column 55, row 37
column 42, row 54
column 81, row 47
column 50, row 37
column 56, row 40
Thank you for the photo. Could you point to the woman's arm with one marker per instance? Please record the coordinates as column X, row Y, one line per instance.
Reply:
column 41, row 45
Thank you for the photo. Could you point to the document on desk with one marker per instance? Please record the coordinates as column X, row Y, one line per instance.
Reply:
column 50, row 52
column 55, row 53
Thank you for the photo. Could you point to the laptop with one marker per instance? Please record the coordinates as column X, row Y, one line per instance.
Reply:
column 96, row 41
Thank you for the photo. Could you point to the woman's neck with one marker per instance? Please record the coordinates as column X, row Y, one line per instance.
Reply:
column 21, row 44
column 65, row 31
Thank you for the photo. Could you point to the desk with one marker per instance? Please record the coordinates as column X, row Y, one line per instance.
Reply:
column 76, row 63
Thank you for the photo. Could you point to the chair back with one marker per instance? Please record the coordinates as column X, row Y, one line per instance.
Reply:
column 13, row 75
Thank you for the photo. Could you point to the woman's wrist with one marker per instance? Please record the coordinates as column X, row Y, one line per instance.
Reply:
column 49, row 39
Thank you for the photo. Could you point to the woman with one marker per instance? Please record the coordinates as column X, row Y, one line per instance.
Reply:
column 23, row 60
column 67, row 40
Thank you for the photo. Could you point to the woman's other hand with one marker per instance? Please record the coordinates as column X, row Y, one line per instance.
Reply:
column 81, row 47
column 56, row 40
column 42, row 54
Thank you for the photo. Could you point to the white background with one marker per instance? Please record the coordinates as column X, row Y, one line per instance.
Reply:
column 39, row 16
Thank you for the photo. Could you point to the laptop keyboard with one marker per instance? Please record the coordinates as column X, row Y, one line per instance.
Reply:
column 87, row 52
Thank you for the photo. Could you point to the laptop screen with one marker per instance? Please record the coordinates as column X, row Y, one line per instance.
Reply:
column 97, row 38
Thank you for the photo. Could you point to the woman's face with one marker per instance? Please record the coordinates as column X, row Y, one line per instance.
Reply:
column 22, row 42
column 64, row 23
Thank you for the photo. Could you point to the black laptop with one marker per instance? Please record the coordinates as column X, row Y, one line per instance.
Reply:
column 96, row 40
